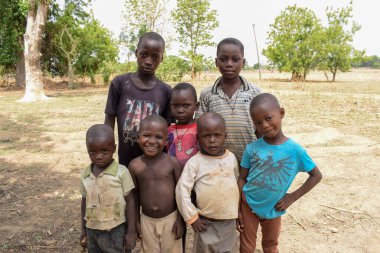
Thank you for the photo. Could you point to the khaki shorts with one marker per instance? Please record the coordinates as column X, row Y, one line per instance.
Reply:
column 157, row 235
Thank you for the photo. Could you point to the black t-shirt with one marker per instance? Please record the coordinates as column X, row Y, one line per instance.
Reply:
column 130, row 105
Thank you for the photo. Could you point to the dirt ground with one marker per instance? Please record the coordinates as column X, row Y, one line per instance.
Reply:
column 42, row 151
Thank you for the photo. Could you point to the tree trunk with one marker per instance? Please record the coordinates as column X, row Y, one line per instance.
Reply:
column 193, row 72
column 20, row 71
column 327, row 77
column 35, row 28
column 296, row 77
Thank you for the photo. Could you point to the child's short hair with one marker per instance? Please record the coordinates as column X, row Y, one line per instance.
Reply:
column 151, row 36
column 230, row 41
column 211, row 115
column 100, row 130
column 186, row 86
column 263, row 98
column 153, row 118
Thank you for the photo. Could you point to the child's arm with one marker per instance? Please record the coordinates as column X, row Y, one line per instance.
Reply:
column 315, row 176
column 110, row 120
column 130, row 237
column 179, row 224
column 183, row 191
column 83, row 234
column 241, row 182
column 136, row 199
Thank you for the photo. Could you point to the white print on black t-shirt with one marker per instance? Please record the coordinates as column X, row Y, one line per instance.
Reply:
column 136, row 111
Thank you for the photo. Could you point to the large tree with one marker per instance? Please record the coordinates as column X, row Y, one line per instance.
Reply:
column 194, row 21
column 12, row 29
column 339, row 35
column 295, row 41
column 35, row 28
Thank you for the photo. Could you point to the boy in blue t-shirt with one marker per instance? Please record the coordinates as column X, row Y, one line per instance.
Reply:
column 268, row 168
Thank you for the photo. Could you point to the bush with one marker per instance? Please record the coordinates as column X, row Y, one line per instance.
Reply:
column 173, row 68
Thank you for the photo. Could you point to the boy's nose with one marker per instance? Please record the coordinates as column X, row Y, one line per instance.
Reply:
column 229, row 63
column 148, row 61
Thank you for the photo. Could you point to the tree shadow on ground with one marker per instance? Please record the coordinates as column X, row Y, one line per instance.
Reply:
column 38, row 206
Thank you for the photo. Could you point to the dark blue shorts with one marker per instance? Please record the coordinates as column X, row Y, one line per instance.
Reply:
column 103, row 241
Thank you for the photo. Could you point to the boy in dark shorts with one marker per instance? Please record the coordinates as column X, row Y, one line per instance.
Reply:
column 268, row 168
column 133, row 96
column 231, row 95
column 212, row 173
column 155, row 175
column 107, row 197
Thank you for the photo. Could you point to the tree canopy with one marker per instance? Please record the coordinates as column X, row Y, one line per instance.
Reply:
column 298, row 43
column 295, row 42
column 194, row 21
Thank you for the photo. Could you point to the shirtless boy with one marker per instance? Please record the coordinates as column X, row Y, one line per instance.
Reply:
column 155, row 175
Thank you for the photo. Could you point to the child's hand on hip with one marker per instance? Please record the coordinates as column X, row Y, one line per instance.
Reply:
column 284, row 203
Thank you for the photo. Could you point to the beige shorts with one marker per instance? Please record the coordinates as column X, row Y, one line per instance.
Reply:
column 157, row 235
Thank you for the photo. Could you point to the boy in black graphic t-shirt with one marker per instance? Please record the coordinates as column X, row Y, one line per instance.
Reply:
column 133, row 96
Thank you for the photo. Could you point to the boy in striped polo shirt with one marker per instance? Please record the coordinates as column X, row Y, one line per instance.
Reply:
column 231, row 95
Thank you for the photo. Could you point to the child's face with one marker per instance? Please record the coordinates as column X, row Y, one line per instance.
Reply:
column 149, row 56
column 100, row 150
column 153, row 138
column 211, row 137
column 268, row 120
column 183, row 105
column 229, row 61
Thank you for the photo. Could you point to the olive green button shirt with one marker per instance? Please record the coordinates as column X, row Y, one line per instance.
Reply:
column 105, row 204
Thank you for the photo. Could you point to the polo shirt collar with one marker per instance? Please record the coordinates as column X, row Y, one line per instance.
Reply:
column 218, row 82
column 110, row 170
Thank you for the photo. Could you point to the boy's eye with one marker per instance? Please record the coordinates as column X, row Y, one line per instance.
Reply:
column 91, row 152
column 268, row 118
column 236, row 59
column 155, row 57
column 222, row 59
column 105, row 151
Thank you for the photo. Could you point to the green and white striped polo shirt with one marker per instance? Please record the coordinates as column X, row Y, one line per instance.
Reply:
column 235, row 111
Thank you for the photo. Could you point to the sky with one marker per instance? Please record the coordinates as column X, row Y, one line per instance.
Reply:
column 236, row 18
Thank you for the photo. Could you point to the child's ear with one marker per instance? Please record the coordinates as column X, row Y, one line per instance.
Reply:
column 136, row 52
column 114, row 148
column 244, row 62
column 216, row 62
column 282, row 111
column 197, row 105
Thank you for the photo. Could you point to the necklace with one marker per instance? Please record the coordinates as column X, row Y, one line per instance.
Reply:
column 179, row 138
column 234, row 102
column 230, row 100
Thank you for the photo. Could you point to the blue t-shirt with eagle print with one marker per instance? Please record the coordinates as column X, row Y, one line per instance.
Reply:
column 272, row 169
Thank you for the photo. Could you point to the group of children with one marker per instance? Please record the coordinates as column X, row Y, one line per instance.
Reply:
column 187, row 173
